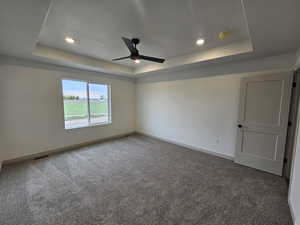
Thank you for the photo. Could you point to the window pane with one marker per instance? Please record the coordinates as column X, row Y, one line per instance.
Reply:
column 99, row 103
column 75, row 104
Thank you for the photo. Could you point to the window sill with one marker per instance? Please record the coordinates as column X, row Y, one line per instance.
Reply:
column 90, row 125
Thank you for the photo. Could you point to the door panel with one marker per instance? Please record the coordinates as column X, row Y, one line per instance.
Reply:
column 267, row 97
column 257, row 144
column 264, row 107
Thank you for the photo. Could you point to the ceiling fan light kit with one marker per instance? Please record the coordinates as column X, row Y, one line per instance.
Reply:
column 134, row 52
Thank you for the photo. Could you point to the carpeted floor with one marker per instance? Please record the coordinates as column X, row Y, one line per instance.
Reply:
column 139, row 181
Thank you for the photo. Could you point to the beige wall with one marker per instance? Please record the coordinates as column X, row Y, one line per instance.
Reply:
column 201, row 113
column 31, row 115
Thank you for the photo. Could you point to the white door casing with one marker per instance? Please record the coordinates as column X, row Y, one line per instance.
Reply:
column 263, row 120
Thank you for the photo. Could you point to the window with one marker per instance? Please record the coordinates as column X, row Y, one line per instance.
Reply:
column 85, row 104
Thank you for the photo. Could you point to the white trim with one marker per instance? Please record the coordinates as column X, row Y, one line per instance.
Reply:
column 66, row 148
column 90, row 125
column 76, row 60
column 284, row 62
column 18, row 61
column 188, row 146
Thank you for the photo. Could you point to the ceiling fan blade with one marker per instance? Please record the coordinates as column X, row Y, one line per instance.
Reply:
column 153, row 59
column 126, row 57
column 130, row 45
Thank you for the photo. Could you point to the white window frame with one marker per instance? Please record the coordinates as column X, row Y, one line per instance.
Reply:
column 88, row 103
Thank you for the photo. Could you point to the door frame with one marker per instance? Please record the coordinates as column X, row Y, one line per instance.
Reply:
column 291, row 133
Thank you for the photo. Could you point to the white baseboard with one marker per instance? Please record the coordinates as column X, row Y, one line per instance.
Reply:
column 66, row 148
column 188, row 146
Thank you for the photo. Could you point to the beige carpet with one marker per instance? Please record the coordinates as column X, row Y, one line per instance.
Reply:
column 139, row 181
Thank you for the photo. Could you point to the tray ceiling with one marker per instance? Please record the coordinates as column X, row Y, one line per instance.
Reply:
column 167, row 29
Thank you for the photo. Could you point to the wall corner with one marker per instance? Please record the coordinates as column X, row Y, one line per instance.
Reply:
column 297, row 64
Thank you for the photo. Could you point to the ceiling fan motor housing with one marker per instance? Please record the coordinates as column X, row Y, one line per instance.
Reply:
column 135, row 55
column 135, row 41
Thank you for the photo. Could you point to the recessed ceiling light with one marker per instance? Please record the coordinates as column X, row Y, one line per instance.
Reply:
column 200, row 41
column 69, row 40
column 137, row 61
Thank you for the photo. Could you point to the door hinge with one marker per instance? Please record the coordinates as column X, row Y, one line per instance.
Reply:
column 289, row 123
column 294, row 84
column 285, row 160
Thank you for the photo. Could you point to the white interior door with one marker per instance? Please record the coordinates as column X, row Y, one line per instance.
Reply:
column 263, row 119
